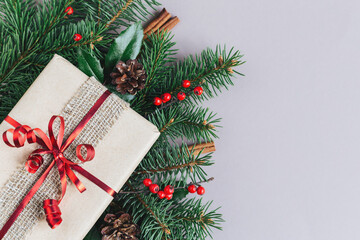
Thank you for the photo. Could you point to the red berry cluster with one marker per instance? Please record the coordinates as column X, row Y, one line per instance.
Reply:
column 69, row 10
column 154, row 188
column 180, row 95
column 162, row 99
column 192, row 189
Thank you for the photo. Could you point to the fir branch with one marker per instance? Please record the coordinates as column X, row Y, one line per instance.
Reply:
column 163, row 226
column 190, row 165
column 113, row 19
column 118, row 13
column 166, row 126
column 157, row 55
column 193, row 123
column 194, row 215
column 92, row 40
column 174, row 219
column 174, row 163
column 162, row 52
column 211, row 69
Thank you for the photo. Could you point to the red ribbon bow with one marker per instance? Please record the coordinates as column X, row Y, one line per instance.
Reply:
column 55, row 146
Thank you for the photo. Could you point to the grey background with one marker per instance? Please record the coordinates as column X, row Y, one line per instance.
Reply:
column 288, row 158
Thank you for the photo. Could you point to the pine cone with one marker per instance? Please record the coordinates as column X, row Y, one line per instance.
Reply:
column 128, row 77
column 119, row 226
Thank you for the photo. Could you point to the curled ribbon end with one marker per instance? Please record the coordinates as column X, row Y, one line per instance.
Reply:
column 54, row 225
column 52, row 212
column 33, row 163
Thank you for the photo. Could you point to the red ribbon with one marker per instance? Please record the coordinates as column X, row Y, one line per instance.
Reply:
column 55, row 146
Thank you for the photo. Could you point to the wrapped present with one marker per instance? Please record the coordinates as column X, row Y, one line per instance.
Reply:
column 94, row 122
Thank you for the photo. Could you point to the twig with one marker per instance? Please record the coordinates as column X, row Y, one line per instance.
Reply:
column 90, row 41
column 185, row 165
column 205, row 181
column 167, row 125
column 99, row 11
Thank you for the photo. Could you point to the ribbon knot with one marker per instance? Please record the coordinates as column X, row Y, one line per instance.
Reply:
column 57, row 153
column 56, row 146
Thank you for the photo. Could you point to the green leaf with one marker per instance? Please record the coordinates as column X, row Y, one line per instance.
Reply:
column 180, row 194
column 90, row 65
column 126, row 46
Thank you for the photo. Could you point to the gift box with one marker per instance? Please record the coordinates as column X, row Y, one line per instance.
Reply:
column 119, row 135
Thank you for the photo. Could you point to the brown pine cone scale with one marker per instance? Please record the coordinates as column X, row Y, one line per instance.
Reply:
column 119, row 226
column 129, row 77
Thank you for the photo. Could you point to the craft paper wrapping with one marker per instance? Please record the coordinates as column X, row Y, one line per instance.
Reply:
column 125, row 142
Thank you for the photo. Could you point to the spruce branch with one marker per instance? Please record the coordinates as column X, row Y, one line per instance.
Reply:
column 163, row 226
column 172, row 163
column 211, row 69
column 157, row 55
column 113, row 19
column 190, row 165
column 92, row 40
column 118, row 13
column 174, row 219
column 197, row 216
column 166, row 126
column 188, row 219
column 193, row 123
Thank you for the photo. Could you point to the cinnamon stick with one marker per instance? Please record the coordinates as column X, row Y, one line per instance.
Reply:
column 157, row 22
column 162, row 22
column 206, row 147
column 170, row 24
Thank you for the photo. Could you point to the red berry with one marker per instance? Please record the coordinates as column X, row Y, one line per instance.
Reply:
column 77, row 37
column 168, row 196
column 192, row 188
column 154, row 188
column 181, row 96
column 169, row 189
column 198, row 90
column 186, row 83
column 161, row 194
column 147, row 182
column 69, row 10
column 157, row 101
column 200, row 190
column 166, row 97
